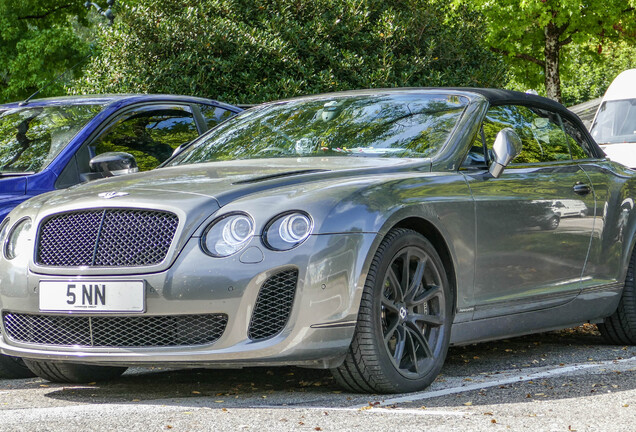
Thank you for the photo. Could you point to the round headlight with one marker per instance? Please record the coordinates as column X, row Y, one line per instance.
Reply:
column 16, row 243
column 227, row 235
column 287, row 231
column 4, row 227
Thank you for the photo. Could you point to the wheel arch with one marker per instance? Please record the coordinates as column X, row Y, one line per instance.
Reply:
column 432, row 233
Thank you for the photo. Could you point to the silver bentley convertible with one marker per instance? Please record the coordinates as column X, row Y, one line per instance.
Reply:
column 363, row 232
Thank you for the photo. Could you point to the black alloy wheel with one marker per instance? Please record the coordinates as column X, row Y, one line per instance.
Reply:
column 412, row 312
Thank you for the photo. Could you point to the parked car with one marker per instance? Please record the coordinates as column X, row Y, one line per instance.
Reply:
column 586, row 110
column 50, row 144
column 614, row 126
column 363, row 232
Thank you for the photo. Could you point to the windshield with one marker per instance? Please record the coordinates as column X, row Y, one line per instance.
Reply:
column 389, row 125
column 31, row 137
column 615, row 122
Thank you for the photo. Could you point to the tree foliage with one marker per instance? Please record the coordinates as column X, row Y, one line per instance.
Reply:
column 39, row 39
column 587, row 72
column 248, row 51
column 535, row 32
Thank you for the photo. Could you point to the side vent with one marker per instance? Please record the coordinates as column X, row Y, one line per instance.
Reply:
column 273, row 305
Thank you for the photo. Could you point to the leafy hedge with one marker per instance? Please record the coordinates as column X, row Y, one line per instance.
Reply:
column 39, row 40
column 249, row 51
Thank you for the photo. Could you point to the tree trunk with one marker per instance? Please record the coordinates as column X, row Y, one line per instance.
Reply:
column 551, row 51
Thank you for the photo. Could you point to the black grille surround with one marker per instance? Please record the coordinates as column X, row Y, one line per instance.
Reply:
column 273, row 305
column 115, row 331
column 111, row 237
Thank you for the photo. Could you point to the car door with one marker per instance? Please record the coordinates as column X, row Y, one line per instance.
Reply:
column 533, row 223
column 614, row 205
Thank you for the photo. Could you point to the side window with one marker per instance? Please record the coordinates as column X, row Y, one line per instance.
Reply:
column 579, row 146
column 149, row 135
column 540, row 131
column 214, row 115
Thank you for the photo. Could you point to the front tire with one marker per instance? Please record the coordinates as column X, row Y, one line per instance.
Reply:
column 620, row 327
column 73, row 373
column 403, row 330
column 14, row 367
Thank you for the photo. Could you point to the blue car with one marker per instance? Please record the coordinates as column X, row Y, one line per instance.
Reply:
column 54, row 143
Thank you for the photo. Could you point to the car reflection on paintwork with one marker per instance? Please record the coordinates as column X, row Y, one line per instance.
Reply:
column 548, row 213
column 569, row 208
column 364, row 232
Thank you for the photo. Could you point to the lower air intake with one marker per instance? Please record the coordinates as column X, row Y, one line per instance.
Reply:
column 115, row 331
column 273, row 305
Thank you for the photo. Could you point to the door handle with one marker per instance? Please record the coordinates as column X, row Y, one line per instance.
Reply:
column 581, row 189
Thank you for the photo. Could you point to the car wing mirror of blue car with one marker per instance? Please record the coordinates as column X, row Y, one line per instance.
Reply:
column 507, row 146
column 113, row 164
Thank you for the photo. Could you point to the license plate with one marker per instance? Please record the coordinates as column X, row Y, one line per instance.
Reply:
column 93, row 296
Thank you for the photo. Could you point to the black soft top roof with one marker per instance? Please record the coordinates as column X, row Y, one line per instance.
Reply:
column 493, row 96
column 500, row 97
column 504, row 97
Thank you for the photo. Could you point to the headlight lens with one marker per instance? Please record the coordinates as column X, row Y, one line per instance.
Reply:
column 227, row 235
column 4, row 227
column 287, row 231
column 17, row 244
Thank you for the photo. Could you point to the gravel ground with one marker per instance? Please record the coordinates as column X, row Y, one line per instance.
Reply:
column 557, row 381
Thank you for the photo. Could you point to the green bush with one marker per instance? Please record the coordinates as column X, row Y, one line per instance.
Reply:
column 39, row 40
column 250, row 51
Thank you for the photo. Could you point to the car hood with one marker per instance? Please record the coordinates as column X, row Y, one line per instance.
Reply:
column 194, row 191
column 225, row 181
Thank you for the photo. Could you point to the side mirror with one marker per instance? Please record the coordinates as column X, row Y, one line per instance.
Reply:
column 507, row 147
column 113, row 164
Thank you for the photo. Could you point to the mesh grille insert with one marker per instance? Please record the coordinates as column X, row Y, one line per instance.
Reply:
column 115, row 331
column 273, row 305
column 106, row 238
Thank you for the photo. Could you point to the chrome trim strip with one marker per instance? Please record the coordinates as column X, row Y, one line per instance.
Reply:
column 336, row 324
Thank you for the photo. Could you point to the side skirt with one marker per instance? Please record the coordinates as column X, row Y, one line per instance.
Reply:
column 591, row 305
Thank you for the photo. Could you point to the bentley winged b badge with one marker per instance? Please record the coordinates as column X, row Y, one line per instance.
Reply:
column 112, row 194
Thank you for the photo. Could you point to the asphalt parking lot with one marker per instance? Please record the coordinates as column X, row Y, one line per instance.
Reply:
column 558, row 381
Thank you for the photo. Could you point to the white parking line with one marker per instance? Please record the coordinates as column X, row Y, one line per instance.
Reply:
column 373, row 410
column 505, row 378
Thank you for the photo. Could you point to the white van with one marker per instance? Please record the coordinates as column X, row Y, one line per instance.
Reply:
column 614, row 126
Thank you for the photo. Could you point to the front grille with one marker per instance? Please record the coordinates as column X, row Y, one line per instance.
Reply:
column 273, row 305
column 106, row 238
column 115, row 331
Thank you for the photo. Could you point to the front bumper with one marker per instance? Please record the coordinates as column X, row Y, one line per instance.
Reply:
column 331, row 273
